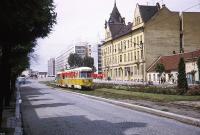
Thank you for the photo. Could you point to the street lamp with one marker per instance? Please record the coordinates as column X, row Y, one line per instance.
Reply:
column 141, row 47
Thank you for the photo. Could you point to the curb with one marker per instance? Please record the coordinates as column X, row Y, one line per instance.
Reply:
column 180, row 118
column 18, row 128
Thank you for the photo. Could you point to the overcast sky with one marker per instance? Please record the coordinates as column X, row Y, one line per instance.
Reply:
column 83, row 20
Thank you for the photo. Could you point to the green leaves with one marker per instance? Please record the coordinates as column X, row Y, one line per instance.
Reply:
column 182, row 80
column 198, row 66
column 160, row 68
column 75, row 60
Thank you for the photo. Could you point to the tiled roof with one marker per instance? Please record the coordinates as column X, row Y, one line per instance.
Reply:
column 125, row 29
column 147, row 12
column 171, row 62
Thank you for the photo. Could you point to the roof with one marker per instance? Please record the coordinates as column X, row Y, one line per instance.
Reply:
column 117, row 24
column 147, row 11
column 171, row 62
column 115, row 16
column 79, row 69
column 125, row 29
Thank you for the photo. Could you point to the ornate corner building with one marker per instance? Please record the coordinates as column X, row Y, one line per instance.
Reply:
column 129, row 49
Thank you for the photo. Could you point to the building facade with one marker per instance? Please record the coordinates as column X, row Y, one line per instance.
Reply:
column 129, row 49
column 99, row 58
column 170, row 62
column 82, row 49
column 51, row 67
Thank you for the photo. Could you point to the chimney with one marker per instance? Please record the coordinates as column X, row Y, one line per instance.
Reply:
column 158, row 6
column 123, row 21
column 163, row 5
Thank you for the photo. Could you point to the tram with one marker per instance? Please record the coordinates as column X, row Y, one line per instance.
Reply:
column 79, row 78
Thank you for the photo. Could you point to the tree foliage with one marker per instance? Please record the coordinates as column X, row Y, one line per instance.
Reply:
column 75, row 60
column 182, row 80
column 22, row 23
column 160, row 68
column 88, row 61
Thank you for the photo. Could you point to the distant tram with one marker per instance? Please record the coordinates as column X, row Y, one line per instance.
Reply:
column 80, row 78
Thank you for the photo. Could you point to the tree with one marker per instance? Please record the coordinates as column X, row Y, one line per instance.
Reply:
column 198, row 66
column 75, row 60
column 160, row 68
column 88, row 62
column 22, row 23
column 182, row 80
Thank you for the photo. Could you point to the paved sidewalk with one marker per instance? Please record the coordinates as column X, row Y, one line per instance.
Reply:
column 12, row 123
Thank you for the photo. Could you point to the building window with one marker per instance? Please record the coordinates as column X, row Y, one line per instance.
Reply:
column 135, row 70
column 128, row 56
column 141, row 38
column 138, row 54
column 149, row 77
column 128, row 43
column 135, row 55
column 157, row 77
column 142, row 54
column 120, row 60
column 137, row 40
column 131, row 56
column 154, row 77
column 134, row 42
column 124, row 57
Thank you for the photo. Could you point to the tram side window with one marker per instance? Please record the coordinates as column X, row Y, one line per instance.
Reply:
column 57, row 76
column 83, row 74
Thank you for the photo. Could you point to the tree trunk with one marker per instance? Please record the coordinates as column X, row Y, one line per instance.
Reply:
column 8, row 91
column 6, row 72
column 1, row 108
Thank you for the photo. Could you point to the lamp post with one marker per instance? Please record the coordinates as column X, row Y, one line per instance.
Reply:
column 141, row 45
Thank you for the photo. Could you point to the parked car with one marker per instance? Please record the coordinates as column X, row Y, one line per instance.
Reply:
column 21, row 80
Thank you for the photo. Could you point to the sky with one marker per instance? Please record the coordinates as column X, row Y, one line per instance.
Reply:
column 83, row 21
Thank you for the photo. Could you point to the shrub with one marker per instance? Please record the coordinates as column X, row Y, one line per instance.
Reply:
column 195, row 90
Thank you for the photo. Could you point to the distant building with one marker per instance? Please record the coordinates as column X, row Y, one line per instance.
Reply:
column 26, row 73
column 42, row 74
column 170, row 63
column 99, row 58
column 51, row 67
column 82, row 49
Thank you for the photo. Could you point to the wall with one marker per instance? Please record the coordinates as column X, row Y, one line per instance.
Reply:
column 191, row 31
column 162, row 35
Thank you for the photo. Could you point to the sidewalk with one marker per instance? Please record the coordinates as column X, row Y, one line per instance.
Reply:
column 186, row 108
column 12, row 123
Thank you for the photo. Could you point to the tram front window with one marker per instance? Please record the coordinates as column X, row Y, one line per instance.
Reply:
column 85, row 74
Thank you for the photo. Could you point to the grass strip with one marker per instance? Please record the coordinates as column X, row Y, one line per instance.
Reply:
column 124, row 94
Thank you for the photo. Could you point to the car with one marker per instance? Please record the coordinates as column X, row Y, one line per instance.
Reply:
column 21, row 80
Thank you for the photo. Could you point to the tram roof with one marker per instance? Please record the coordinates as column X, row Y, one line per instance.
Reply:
column 80, row 69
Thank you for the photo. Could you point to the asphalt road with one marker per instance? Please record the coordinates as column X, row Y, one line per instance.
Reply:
column 48, row 111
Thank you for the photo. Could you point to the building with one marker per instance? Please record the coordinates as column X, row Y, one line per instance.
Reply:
column 129, row 49
column 82, row 49
column 26, row 73
column 99, row 58
column 170, row 63
column 42, row 74
column 51, row 67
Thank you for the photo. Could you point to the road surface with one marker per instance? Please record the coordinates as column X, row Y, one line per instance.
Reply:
column 48, row 111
